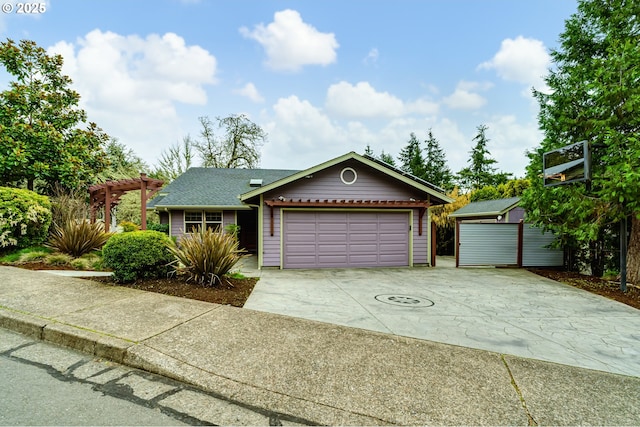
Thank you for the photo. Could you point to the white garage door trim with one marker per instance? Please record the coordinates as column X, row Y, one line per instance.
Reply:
column 347, row 259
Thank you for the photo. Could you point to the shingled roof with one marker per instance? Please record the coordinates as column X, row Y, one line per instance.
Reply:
column 213, row 187
column 487, row 207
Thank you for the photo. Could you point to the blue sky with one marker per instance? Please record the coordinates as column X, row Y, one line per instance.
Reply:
column 322, row 78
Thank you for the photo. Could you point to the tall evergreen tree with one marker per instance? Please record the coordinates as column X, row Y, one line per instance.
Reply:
column 411, row 159
column 436, row 170
column 594, row 95
column 387, row 158
column 481, row 171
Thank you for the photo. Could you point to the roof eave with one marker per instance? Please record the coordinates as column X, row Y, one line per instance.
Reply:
column 472, row 214
column 191, row 207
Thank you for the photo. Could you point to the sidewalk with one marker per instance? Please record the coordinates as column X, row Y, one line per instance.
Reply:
column 316, row 373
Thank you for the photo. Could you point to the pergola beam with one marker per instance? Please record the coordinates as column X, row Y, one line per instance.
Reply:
column 108, row 195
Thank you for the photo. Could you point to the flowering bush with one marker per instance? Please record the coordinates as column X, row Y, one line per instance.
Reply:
column 24, row 217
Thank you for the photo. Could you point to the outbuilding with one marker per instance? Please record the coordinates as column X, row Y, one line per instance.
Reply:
column 495, row 232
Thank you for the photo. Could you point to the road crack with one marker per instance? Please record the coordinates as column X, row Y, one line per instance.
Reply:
column 531, row 420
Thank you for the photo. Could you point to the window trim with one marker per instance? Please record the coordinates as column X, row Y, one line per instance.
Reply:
column 188, row 225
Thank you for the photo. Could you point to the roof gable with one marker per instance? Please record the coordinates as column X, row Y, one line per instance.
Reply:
column 487, row 207
column 438, row 195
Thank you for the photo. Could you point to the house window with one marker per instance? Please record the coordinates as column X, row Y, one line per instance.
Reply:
column 213, row 220
column 192, row 220
column 198, row 219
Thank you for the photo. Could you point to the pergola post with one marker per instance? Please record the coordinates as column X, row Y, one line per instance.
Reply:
column 107, row 208
column 143, row 201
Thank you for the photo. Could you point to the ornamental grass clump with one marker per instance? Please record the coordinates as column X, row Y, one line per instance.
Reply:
column 77, row 238
column 206, row 255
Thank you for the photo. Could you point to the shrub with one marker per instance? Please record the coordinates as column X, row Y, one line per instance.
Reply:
column 24, row 217
column 163, row 228
column 138, row 254
column 128, row 226
column 206, row 255
column 233, row 229
column 77, row 238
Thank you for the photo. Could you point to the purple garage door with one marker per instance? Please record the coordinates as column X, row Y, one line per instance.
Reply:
column 345, row 239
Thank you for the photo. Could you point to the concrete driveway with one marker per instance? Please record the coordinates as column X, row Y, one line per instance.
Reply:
column 510, row 311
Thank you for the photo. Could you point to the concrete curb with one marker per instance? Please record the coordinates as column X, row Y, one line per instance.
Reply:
column 141, row 356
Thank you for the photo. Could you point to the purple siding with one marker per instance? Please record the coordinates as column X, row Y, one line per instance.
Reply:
column 271, row 244
column 327, row 184
column 420, row 243
column 177, row 223
column 228, row 217
column 516, row 214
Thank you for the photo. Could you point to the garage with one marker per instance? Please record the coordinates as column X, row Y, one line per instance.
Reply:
column 324, row 239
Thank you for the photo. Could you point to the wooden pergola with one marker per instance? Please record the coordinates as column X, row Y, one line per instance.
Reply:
column 108, row 195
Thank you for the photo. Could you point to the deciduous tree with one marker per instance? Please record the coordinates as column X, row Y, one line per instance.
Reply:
column 40, row 123
column 176, row 159
column 237, row 147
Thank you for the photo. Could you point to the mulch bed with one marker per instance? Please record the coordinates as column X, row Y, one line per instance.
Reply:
column 596, row 285
column 231, row 292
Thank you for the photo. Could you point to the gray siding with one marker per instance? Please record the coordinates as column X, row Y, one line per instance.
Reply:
column 534, row 250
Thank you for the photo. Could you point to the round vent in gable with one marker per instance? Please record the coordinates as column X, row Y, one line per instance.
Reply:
column 348, row 176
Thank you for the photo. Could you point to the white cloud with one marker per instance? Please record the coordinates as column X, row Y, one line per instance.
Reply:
column 302, row 135
column 131, row 86
column 250, row 91
column 465, row 96
column 509, row 140
column 290, row 43
column 372, row 56
column 363, row 101
column 523, row 60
